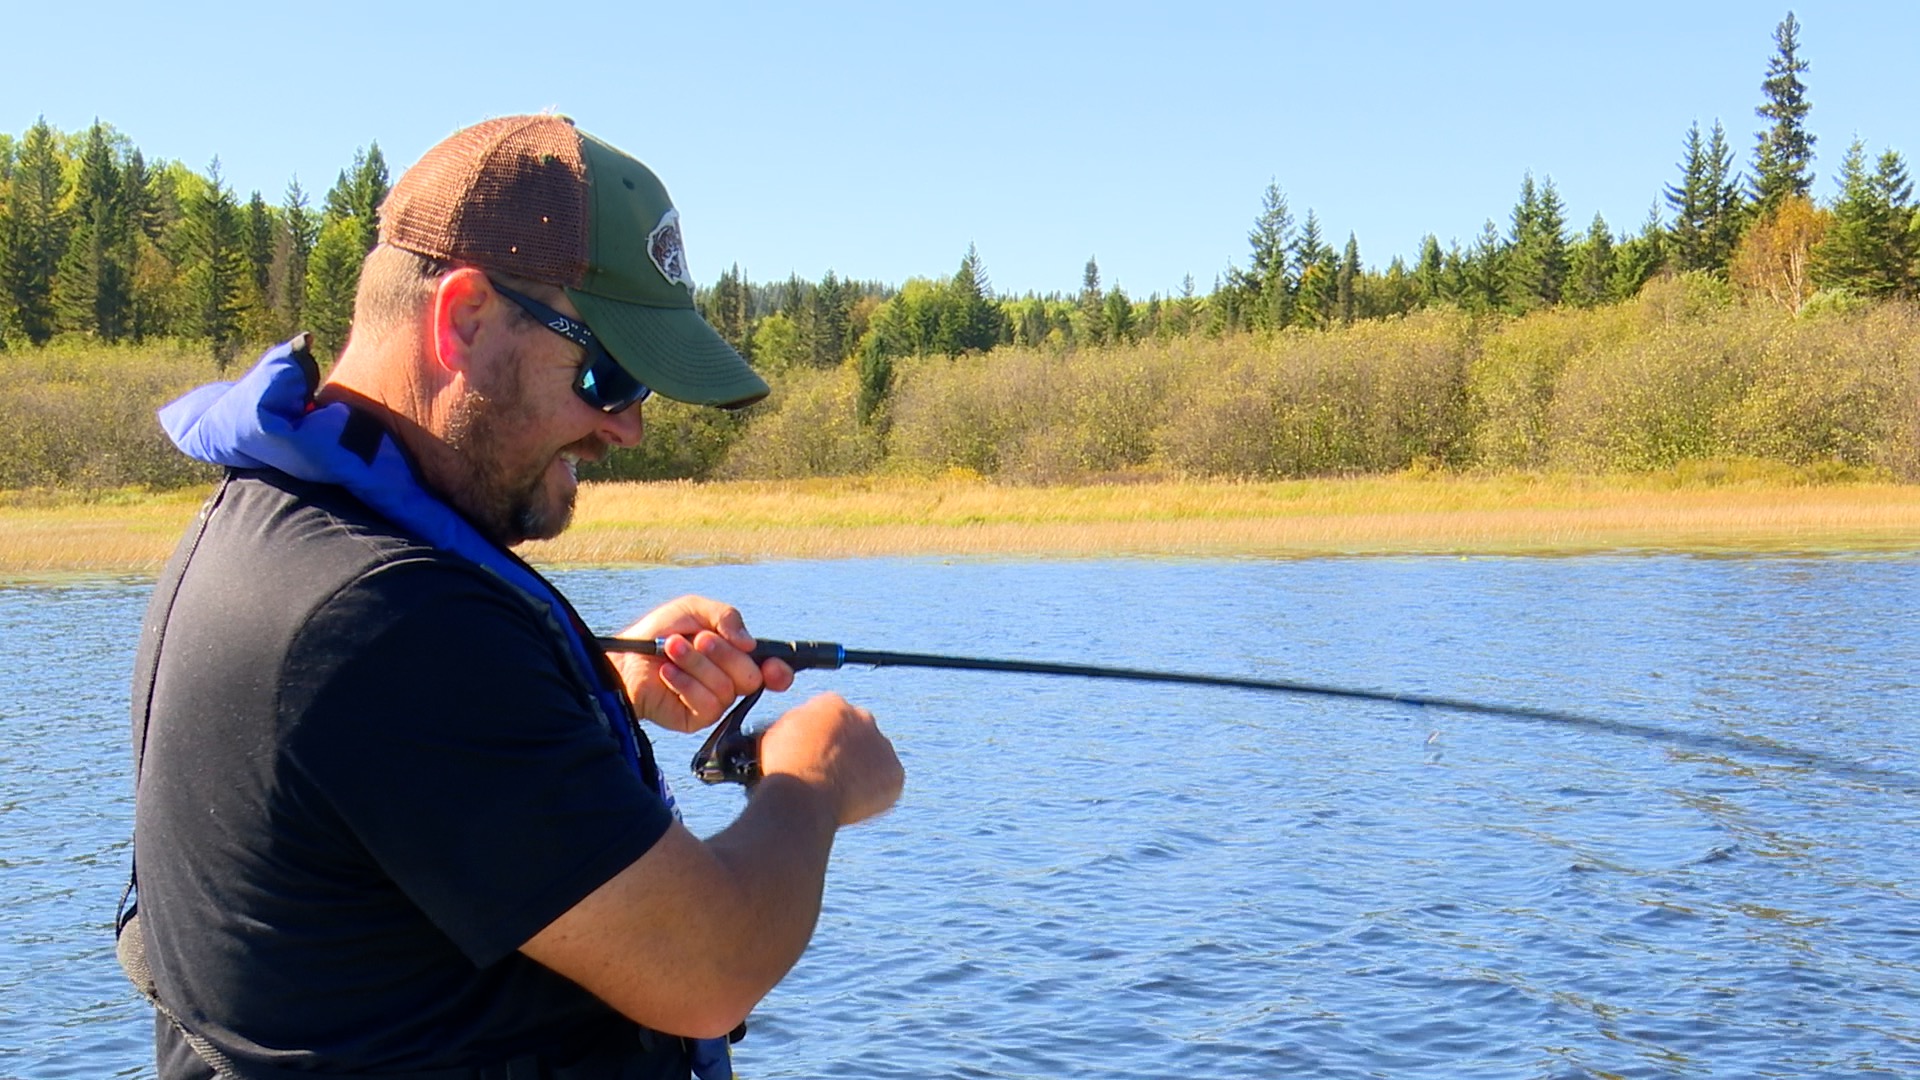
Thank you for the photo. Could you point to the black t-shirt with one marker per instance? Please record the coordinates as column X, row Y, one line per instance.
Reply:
column 371, row 773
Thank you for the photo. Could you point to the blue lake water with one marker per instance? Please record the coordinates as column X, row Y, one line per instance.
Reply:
column 1117, row 880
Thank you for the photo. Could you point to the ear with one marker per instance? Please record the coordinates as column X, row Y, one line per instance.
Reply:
column 458, row 312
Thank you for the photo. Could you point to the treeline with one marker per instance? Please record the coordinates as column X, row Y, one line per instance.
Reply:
column 98, row 244
column 1682, row 373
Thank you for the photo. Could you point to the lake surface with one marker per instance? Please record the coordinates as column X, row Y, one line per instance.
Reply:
column 1117, row 880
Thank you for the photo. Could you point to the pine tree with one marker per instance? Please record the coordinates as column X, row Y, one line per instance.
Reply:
column 357, row 194
column 1783, row 156
column 1315, row 270
column 217, row 271
column 303, row 230
column 36, row 232
column 1869, row 249
column 1429, row 272
column 831, row 316
column 1535, row 269
column 1591, row 267
column 1708, row 206
column 1635, row 261
column 1093, row 316
column 1484, row 271
column 1269, row 280
column 1344, row 283
column 92, row 286
column 1118, row 310
column 333, row 273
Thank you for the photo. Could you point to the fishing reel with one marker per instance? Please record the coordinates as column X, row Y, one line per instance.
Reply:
column 731, row 755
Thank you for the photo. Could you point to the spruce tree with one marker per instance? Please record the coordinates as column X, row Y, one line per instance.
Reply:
column 1093, row 316
column 1591, row 267
column 1315, row 270
column 1636, row 260
column 1783, row 155
column 36, row 232
column 1535, row 270
column 303, row 230
column 1869, row 249
column 333, row 273
column 1429, row 272
column 1709, row 210
column 1344, row 283
column 1118, row 310
column 1269, row 280
column 217, row 271
column 1484, row 271
column 92, row 286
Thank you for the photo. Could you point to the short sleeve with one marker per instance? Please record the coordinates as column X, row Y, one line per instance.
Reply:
column 432, row 715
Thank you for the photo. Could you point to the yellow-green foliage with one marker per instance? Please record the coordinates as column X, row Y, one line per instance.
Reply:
column 1680, row 374
column 81, row 416
column 807, row 427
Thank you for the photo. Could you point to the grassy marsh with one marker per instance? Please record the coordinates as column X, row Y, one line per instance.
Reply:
column 1702, row 508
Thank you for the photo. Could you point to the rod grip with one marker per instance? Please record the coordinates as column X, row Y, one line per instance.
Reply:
column 803, row 655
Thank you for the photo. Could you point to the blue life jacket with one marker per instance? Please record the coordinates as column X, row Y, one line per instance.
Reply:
column 268, row 419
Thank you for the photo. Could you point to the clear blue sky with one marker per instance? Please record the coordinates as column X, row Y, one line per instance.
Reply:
column 880, row 139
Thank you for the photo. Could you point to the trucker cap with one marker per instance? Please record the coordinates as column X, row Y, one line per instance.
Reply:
column 537, row 198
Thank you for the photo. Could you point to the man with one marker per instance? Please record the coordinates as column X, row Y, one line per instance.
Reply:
column 393, row 817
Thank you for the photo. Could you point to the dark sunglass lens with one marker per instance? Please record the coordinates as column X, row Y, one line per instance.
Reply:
column 606, row 385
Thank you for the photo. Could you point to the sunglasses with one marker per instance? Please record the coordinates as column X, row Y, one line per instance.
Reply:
column 602, row 382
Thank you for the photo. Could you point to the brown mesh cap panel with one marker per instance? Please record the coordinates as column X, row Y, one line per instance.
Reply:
column 507, row 194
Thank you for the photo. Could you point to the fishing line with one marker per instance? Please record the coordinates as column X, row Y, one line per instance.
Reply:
column 731, row 754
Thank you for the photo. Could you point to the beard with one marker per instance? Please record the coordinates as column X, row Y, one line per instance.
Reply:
column 510, row 502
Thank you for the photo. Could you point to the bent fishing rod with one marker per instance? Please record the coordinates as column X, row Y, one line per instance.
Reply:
column 731, row 755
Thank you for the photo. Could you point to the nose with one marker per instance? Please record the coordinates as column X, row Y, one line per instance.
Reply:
column 622, row 429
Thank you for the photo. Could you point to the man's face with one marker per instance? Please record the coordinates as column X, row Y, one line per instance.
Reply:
column 521, row 431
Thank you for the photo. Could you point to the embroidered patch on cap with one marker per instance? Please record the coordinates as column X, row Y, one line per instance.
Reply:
column 668, row 253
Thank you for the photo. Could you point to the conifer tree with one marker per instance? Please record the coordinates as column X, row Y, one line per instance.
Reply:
column 36, row 232
column 1429, row 272
column 1636, row 260
column 1535, row 269
column 1708, row 207
column 1485, row 271
column 217, row 271
column 1591, row 266
column 1269, row 279
column 1783, row 154
column 831, row 314
column 1118, row 310
column 1093, row 316
column 333, row 273
column 91, row 288
column 1315, row 270
column 303, row 230
column 259, row 240
column 1344, row 283
column 1869, row 248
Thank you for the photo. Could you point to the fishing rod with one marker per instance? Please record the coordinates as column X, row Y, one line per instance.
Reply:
column 732, row 755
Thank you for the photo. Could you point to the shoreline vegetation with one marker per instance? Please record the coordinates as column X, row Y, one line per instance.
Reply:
column 1713, row 508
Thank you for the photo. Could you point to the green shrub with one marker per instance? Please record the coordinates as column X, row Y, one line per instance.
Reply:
column 79, row 416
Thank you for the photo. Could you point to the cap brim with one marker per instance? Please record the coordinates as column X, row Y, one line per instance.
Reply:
column 672, row 350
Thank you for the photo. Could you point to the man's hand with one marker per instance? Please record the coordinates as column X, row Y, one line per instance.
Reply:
column 706, row 667
column 837, row 749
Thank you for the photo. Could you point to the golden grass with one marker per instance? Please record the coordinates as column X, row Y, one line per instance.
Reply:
column 633, row 523
column 623, row 523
